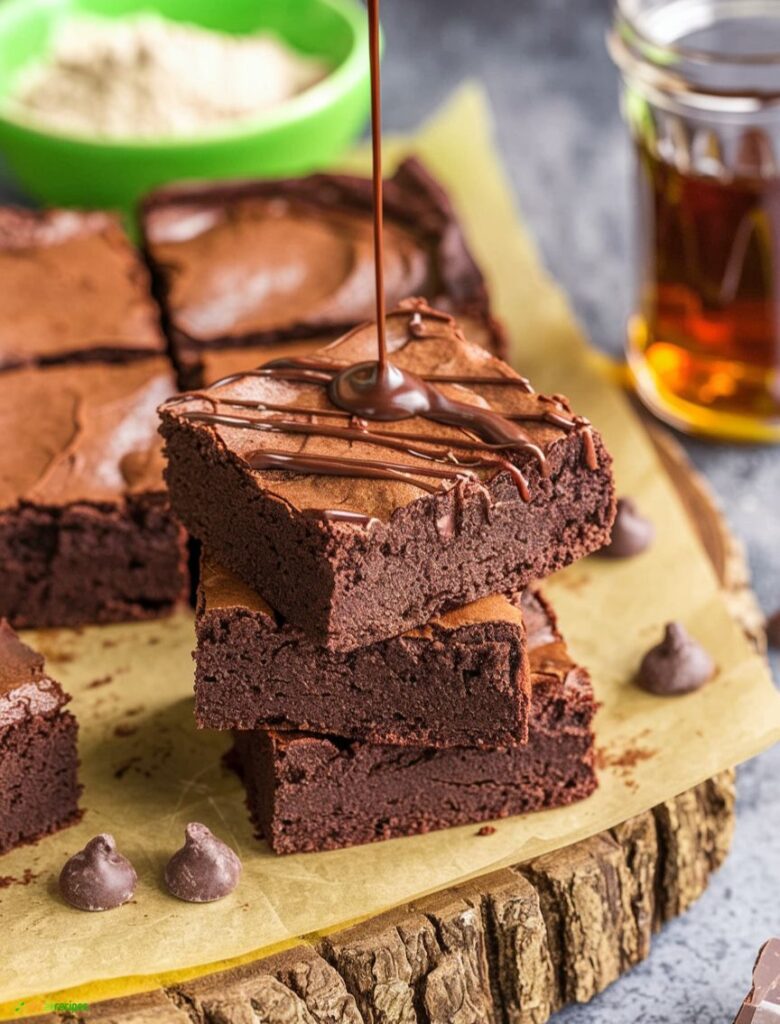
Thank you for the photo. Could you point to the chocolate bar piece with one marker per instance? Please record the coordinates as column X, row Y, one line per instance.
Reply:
column 308, row 792
column 762, row 1003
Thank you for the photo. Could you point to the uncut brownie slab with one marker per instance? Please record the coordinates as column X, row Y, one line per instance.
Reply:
column 462, row 680
column 86, row 532
column 257, row 262
column 307, row 792
column 352, row 560
column 72, row 288
column 39, row 787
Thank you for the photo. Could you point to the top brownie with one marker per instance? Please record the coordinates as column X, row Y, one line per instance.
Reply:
column 258, row 262
column 353, row 560
column 72, row 288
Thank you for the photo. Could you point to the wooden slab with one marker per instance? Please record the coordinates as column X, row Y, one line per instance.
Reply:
column 513, row 946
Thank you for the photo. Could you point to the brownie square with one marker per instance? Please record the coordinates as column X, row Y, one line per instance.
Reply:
column 410, row 547
column 39, row 787
column 72, row 289
column 307, row 792
column 86, row 532
column 256, row 263
column 462, row 680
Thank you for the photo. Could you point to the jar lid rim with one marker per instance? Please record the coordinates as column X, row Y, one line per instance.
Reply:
column 661, row 50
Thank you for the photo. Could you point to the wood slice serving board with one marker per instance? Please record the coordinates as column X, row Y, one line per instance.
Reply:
column 512, row 946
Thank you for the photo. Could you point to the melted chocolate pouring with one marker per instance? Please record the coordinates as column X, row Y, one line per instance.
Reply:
column 377, row 390
column 380, row 391
column 387, row 393
column 376, row 179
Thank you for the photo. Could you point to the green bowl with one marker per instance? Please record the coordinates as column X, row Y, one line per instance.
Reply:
column 306, row 133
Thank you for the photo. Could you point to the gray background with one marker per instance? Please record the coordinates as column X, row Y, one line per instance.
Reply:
column 555, row 96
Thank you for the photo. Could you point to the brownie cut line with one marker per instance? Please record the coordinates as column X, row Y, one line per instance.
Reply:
column 86, row 531
column 72, row 289
column 398, row 553
column 39, row 788
column 307, row 792
column 462, row 680
column 257, row 263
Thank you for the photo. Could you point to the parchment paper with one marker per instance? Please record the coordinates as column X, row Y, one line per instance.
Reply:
column 147, row 771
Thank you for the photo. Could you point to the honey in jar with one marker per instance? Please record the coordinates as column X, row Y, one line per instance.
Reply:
column 702, row 98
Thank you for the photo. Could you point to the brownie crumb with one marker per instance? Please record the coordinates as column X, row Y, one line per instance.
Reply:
column 486, row 830
column 123, row 730
column 102, row 681
column 123, row 769
column 27, row 877
column 624, row 762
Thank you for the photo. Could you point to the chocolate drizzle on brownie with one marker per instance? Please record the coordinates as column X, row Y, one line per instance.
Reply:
column 459, row 458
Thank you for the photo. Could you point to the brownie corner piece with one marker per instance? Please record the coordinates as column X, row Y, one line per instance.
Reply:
column 309, row 792
column 86, row 531
column 462, row 680
column 73, row 289
column 352, row 560
column 39, row 788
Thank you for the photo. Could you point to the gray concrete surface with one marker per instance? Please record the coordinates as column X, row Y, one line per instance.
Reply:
column 554, row 93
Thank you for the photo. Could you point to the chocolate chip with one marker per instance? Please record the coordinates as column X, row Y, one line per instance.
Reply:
column 98, row 877
column 204, row 869
column 679, row 664
column 773, row 630
column 631, row 532
column 486, row 830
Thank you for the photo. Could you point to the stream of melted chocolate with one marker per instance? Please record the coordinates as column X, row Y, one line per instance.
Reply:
column 378, row 391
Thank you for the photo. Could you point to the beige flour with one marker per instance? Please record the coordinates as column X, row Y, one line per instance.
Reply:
column 146, row 77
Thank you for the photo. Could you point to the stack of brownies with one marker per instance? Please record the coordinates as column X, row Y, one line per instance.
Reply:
column 86, row 531
column 375, row 641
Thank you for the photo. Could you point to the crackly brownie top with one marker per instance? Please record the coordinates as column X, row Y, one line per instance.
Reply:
column 258, row 257
column 25, row 689
column 263, row 421
column 81, row 433
column 71, row 283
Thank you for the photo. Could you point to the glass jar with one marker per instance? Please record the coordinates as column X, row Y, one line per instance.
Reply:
column 701, row 95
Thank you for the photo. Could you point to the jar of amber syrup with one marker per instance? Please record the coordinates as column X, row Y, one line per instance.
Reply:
column 702, row 100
